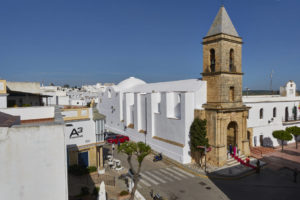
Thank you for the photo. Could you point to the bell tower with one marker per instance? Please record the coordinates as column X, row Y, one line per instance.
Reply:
column 222, row 70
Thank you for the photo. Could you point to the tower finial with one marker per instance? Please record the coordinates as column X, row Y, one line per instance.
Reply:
column 222, row 3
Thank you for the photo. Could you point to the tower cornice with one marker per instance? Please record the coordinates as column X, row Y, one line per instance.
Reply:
column 222, row 36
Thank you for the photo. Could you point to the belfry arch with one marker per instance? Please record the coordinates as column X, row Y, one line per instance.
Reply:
column 232, row 129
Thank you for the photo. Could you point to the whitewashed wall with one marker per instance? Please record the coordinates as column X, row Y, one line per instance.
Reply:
column 28, row 113
column 87, row 135
column 33, row 163
column 268, row 123
column 149, row 111
column 3, row 101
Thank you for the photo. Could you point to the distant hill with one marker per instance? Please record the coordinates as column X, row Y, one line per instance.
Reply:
column 264, row 92
column 260, row 92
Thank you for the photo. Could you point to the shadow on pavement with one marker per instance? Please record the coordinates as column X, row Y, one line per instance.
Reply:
column 293, row 153
column 268, row 184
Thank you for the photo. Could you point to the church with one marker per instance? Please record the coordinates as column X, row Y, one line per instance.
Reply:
column 160, row 114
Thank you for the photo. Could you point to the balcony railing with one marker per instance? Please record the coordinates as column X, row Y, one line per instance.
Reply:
column 291, row 119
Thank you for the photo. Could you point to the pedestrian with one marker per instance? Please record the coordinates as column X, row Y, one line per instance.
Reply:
column 230, row 149
column 258, row 166
column 295, row 175
column 118, row 143
column 234, row 150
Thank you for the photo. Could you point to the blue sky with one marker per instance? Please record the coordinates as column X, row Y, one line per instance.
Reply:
column 88, row 41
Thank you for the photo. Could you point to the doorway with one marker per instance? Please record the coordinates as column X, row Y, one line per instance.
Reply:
column 231, row 134
column 83, row 159
column 261, row 140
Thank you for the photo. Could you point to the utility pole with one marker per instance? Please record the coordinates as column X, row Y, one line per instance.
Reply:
column 145, row 118
column 271, row 76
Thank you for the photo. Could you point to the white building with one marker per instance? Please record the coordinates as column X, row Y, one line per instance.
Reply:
column 272, row 112
column 55, row 95
column 33, row 154
column 158, row 113
column 161, row 113
column 96, row 88
column 84, row 136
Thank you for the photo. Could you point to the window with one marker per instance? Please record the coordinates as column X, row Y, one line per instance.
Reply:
column 261, row 113
column 231, row 94
column 231, row 60
column 212, row 60
column 274, row 112
column 286, row 113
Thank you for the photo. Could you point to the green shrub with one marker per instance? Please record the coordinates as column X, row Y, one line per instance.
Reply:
column 124, row 192
column 92, row 169
column 78, row 170
column 96, row 191
column 84, row 191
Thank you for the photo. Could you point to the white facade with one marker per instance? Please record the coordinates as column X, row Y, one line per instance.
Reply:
column 163, row 110
column 3, row 100
column 85, row 125
column 84, row 128
column 272, row 112
column 33, row 159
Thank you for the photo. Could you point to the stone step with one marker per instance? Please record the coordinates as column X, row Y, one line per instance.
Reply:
column 232, row 161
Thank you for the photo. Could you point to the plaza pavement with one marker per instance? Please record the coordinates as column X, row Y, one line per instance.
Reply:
column 175, row 181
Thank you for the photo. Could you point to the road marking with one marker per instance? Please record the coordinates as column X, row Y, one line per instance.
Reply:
column 149, row 179
column 170, row 174
column 182, row 171
column 145, row 182
column 176, row 172
column 163, row 175
column 156, row 177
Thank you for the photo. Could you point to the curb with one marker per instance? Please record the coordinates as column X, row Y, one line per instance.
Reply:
column 237, row 177
column 186, row 168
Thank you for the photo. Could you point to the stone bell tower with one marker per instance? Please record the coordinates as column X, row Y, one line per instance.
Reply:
column 222, row 69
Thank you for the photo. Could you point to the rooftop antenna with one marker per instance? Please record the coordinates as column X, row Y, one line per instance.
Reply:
column 222, row 3
column 271, row 77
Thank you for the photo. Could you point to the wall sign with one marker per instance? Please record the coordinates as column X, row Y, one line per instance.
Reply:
column 75, row 133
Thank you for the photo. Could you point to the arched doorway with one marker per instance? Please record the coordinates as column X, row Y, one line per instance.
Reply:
column 231, row 133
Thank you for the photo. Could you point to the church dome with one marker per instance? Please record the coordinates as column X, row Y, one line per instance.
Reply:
column 130, row 82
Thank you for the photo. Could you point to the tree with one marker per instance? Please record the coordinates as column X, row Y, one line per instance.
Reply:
column 198, row 138
column 140, row 150
column 283, row 136
column 66, row 86
column 295, row 131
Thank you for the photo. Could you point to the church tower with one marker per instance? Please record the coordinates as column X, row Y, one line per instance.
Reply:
column 222, row 70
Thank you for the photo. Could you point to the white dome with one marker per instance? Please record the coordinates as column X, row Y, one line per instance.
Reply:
column 130, row 82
